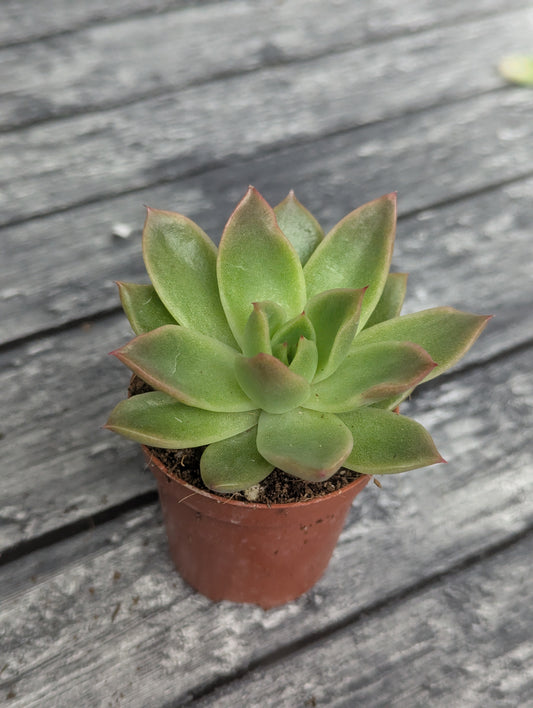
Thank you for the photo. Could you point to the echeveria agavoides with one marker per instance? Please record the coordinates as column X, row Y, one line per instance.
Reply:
column 284, row 347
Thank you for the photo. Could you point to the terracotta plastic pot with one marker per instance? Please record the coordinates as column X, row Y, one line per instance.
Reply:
column 245, row 552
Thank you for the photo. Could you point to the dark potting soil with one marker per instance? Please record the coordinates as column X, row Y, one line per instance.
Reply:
column 278, row 488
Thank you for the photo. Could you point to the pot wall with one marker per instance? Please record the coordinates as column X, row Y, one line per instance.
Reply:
column 244, row 552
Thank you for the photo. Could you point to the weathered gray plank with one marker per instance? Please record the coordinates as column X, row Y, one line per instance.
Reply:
column 464, row 642
column 140, row 637
column 55, row 165
column 34, row 19
column 55, row 456
column 107, row 66
column 27, row 20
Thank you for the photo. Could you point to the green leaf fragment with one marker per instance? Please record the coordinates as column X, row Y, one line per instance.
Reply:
column 290, row 334
column 270, row 384
column 193, row 368
column 234, row 464
column 299, row 226
column 256, row 262
column 356, row 253
column 371, row 373
column 181, row 262
column 517, row 69
column 305, row 359
column 391, row 300
column 445, row 333
column 386, row 443
column 143, row 307
column 256, row 336
column 335, row 316
column 304, row 443
column 159, row 420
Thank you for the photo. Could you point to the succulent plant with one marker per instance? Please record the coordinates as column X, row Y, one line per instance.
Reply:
column 283, row 347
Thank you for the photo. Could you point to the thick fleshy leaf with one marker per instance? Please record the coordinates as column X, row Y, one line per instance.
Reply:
column 256, row 335
column 304, row 443
column 335, row 316
column 371, row 373
column 257, row 262
column 265, row 319
column 290, row 334
column 159, row 420
column 518, row 69
column 282, row 353
column 181, row 262
column 386, row 443
column 356, row 253
column 275, row 314
column 305, row 359
column 196, row 369
column 270, row 384
column 389, row 404
column 143, row 307
column 391, row 300
column 234, row 464
column 299, row 226
column 445, row 333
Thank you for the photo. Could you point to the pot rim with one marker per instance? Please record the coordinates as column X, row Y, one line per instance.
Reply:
column 362, row 480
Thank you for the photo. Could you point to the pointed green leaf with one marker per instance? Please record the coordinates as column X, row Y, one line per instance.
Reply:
column 256, row 335
column 234, row 464
column 304, row 443
column 356, row 253
column 445, row 333
column 290, row 334
column 386, row 443
column 265, row 319
column 391, row 300
column 196, row 369
column 334, row 315
column 371, row 373
column 181, row 262
column 299, row 226
column 159, row 420
column 270, row 384
column 256, row 262
column 143, row 308
column 305, row 360
column 275, row 314
column 517, row 69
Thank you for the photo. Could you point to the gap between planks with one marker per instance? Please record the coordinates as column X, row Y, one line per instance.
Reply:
column 165, row 7
column 390, row 601
column 147, row 9
column 62, row 533
column 283, row 57
column 276, row 148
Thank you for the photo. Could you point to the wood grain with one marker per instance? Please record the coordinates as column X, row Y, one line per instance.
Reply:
column 141, row 637
column 465, row 641
column 60, row 268
column 56, row 165
column 25, row 21
column 113, row 65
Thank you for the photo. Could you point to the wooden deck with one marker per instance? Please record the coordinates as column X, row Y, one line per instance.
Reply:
column 105, row 107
